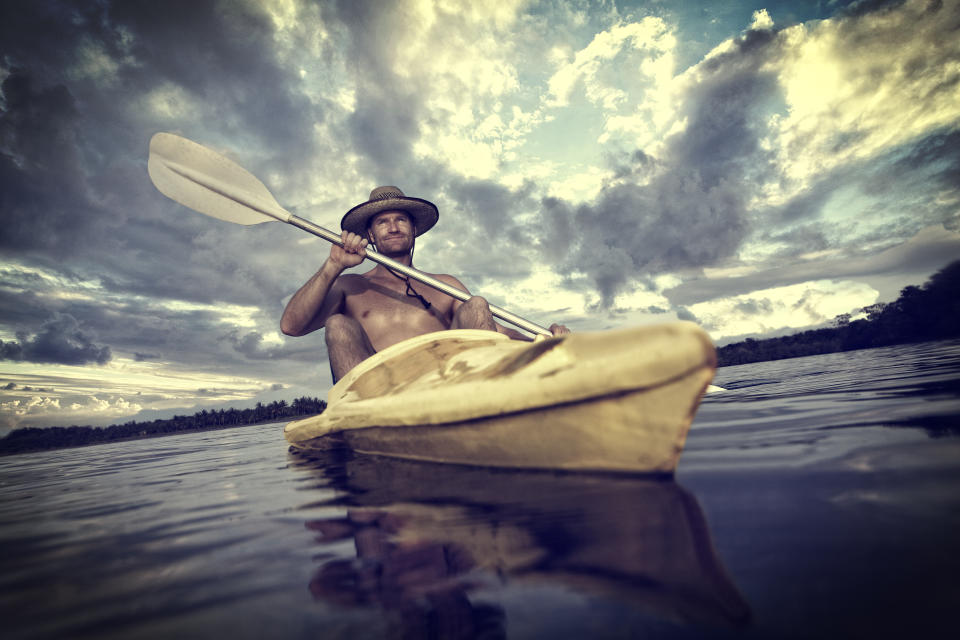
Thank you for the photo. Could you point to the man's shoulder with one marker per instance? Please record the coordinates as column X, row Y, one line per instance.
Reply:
column 352, row 282
column 449, row 279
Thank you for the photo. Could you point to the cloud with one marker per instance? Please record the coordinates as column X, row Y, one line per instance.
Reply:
column 863, row 83
column 253, row 347
column 80, row 409
column 688, row 207
column 39, row 147
column 781, row 308
column 84, row 91
column 13, row 411
column 770, row 132
column 115, row 407
column 590, row 68
column 923, row 254
column 60, row 341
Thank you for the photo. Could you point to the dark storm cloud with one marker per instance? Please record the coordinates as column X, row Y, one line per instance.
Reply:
column 59, row 340
column 79, row 83
column 75, row 127
column 251, row 346
column 692, row 211
column 383, row 127
column 151, row 330
column 224, row 54
column 38, row 149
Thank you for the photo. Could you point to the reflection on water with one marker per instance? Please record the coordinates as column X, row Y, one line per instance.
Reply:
column 427, row 536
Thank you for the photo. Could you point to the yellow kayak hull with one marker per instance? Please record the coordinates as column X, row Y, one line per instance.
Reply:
column 618, row 400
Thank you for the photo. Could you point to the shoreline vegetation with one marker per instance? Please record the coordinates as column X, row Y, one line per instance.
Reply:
column 920, row 314
column 30, row 439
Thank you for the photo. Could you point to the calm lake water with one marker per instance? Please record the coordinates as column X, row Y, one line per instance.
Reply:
column 817, row 497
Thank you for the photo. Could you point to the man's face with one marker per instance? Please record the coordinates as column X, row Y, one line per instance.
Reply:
column 392, row 232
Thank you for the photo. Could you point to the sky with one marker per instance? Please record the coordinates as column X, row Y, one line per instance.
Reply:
column 756, row 167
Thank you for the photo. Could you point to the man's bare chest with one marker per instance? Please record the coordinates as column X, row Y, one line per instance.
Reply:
column 389, row 315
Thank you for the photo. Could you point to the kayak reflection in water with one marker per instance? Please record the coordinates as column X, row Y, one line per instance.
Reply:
column 366, row 313
column 420, row 579
column 443, row 545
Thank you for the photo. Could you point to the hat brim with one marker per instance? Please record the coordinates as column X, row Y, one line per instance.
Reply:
column 423, row 213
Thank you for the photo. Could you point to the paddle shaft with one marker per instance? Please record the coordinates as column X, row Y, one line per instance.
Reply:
column 419, row 276
column 194, row 187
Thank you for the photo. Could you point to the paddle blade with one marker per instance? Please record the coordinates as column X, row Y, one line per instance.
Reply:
column 205, row 181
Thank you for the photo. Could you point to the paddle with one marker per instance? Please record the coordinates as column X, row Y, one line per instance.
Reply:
column 205, row 181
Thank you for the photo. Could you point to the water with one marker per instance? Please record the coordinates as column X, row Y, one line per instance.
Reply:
column 817, row 497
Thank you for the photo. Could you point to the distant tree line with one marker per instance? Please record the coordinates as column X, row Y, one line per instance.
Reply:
column 930, row 312
column 37, row 439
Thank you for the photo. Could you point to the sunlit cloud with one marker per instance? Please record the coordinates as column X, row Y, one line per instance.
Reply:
column 855, row 87
column 780, row 308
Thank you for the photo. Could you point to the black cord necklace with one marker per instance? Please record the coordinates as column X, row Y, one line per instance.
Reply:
column 411, row 292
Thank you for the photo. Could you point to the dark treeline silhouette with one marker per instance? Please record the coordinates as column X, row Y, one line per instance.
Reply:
column 920, row 314
column 37, row 439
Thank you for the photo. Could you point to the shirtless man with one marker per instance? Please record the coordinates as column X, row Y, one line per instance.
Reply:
column 367, row 313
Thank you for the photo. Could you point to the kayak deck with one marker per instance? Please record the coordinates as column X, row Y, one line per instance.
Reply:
column 607, row 401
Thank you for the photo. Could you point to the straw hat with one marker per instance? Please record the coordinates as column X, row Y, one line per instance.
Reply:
column 424, row 213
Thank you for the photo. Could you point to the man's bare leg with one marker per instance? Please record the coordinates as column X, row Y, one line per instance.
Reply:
column 347, row 344
column 474, row 314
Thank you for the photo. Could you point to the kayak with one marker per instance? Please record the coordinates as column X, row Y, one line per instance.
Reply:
column 619, row 400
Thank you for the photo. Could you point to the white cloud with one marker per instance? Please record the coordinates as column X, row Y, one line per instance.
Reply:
column 113, row 408
column 761, row 20
column 48, row 410
column 603, row 82
column 32, row 405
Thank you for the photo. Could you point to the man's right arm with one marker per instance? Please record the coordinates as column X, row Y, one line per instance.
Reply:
column 322, row 295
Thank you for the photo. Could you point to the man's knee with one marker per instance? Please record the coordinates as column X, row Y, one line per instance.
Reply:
column 474, row 314
column 477, row 304
column 339, row 328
